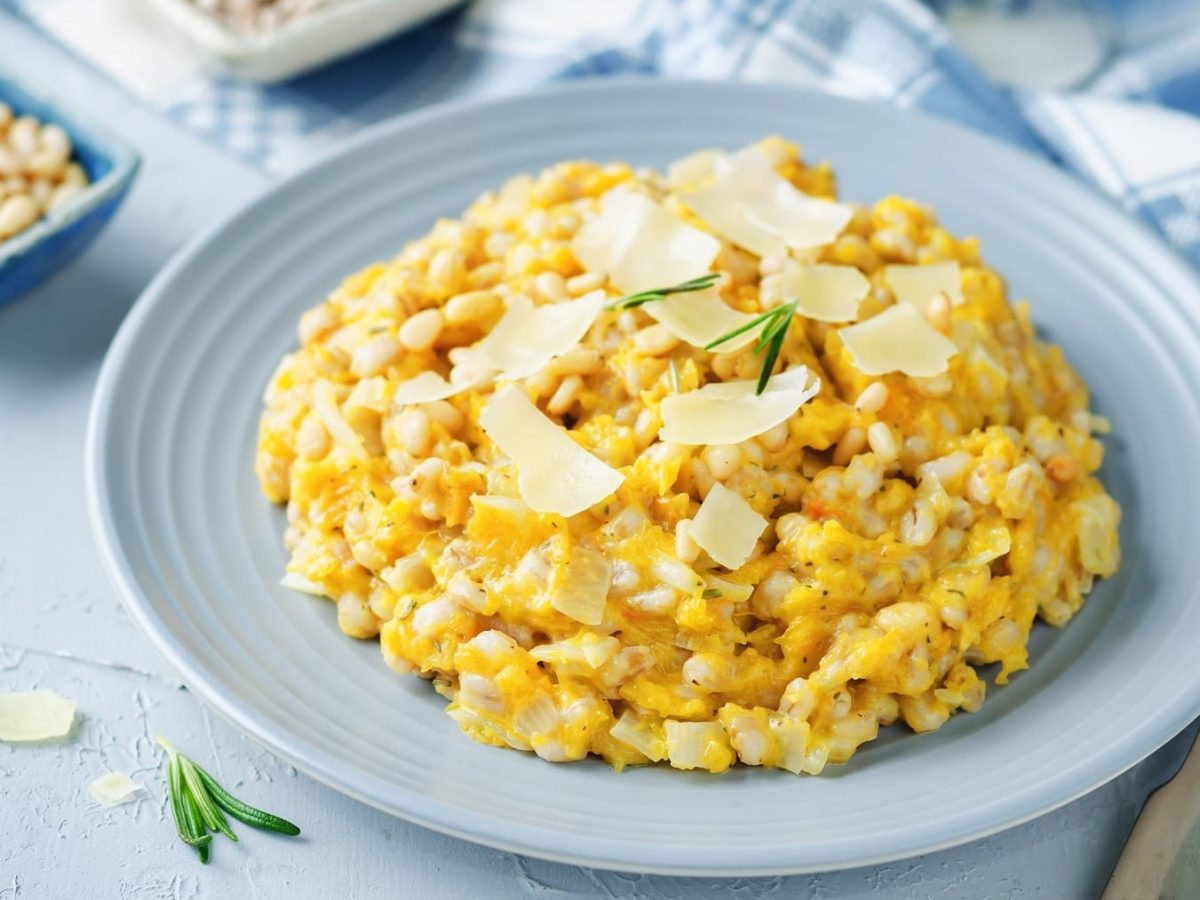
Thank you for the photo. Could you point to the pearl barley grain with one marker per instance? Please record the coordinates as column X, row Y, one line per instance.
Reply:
column 36, row 172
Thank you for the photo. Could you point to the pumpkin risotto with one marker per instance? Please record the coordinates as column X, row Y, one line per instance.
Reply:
column 702, row 467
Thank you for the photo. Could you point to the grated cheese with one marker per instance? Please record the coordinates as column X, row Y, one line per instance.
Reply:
column 554, row 474
column 726, row 527
column 899, row 339
column 730, row 412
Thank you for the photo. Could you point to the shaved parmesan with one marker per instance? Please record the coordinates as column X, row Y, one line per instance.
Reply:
column 752, row 205
column 583, row 591
column 641, row 245
column 825, row 293
column 723, row 212
column 690, row 170
column 899, row 339
column 554, row 474
column 772, row 202
column 700, row 317
column 424, row 388
column 296, row 582
column 35, row 716
column 527, row 337
column 726, row 527
column 730, row 412
column 114, row 788
column 918, row 284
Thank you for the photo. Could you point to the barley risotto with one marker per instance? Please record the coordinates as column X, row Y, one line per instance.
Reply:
column 698, row 467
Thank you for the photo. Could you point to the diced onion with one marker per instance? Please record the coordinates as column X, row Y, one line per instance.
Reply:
column 583, row 590
column 698, row 745
column 641, row 735
column 369, row 393
column 325, row 405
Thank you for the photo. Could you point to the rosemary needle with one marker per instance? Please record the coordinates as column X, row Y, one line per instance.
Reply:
column 199, row 805
column 775, row 324
column 632, row 301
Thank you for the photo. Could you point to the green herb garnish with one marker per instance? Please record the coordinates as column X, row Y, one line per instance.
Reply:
column 711, row 593
column 199, row 805
column 775, row 323
column 633, row 301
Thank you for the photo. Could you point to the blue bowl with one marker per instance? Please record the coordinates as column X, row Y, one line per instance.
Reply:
column 29, row 258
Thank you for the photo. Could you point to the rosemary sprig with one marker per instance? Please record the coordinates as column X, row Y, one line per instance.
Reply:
column 633, row 301
column 775, row 324
column 199, row 805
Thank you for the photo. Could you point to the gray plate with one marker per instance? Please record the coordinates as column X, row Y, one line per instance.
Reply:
column 195, row 551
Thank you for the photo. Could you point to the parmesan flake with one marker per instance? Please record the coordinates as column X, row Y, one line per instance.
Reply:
column 750, row 204
column 424, row 388
column 114, row 788
column 35, row 716
column 641, row 245
column 730, row 412
column 527, row 337
column 918, row 284
column 700, row 317
column 726, row 527
column 899, row 339
column 826, row 293
column 554, row 474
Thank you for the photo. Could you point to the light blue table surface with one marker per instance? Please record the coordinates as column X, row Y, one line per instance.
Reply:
column 62, row 627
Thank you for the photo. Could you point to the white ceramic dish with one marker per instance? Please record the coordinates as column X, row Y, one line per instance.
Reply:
column 195, row 551
column 296, row 47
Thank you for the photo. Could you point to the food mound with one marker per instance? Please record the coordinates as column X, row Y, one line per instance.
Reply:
column 702, row 467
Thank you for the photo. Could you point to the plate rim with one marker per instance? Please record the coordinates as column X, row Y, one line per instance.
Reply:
column 440, row 816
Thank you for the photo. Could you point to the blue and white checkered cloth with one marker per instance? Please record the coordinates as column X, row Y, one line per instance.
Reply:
column 1134, row 132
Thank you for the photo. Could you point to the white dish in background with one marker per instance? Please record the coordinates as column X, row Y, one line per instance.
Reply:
column 195, row 551
column 299, row 45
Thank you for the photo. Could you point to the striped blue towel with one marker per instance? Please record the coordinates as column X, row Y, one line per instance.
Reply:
column 1133, row 131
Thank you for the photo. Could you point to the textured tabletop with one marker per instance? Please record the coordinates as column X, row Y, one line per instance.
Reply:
column 62, row 627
